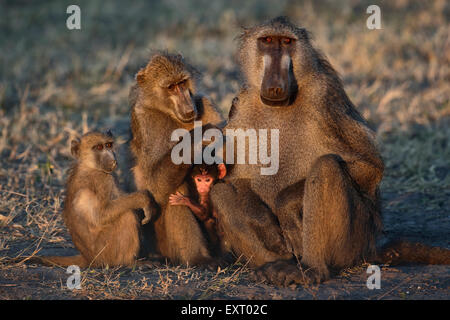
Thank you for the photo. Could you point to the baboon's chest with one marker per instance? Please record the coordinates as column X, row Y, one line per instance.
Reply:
column 297, row 146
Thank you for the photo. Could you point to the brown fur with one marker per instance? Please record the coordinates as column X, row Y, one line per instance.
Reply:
column 97, row 214
column 322, row 205
column 203, row 210
column 401, row 252
column 153, row 119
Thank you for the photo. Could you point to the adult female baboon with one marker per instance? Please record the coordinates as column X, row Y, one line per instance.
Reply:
column 322, row 206
column 164, row 99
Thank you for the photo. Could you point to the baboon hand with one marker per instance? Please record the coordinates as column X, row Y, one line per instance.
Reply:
column 148, row 213
column 178, row 199
column 149, row 209
column 147, row 216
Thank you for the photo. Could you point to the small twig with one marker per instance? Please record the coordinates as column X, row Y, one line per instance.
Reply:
column 13, row 192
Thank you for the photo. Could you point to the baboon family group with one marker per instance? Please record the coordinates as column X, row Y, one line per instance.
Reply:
column 318, row 214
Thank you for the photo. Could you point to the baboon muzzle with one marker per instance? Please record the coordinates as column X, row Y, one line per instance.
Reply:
column 110, row 165
column 275, row 83
column 186, row 106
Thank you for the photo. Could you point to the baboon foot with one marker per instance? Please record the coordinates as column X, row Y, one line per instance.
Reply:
column 148, row 264
column 284, row 273
column 151, row 261
column 213, row 264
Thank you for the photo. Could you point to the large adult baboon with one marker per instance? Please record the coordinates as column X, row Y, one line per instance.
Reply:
column 322, row 206
column 164, row 99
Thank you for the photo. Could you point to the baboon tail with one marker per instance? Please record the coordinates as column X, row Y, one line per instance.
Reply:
column 60, row 261
column 401, row 252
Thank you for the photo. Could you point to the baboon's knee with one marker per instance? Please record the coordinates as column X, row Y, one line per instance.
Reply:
column 326, row 165
column 221, row 194
column 221, row 189
column 194, row 256
column 326, row 173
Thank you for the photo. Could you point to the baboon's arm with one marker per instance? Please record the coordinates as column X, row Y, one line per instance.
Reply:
column 365, row 173
column 155, row 164
column 198, row 210
column 124, row 203
column 168, row 175
column 208, row 111
column 178, row 199
column 362, row 159
column 291, row 198
column 354, row 143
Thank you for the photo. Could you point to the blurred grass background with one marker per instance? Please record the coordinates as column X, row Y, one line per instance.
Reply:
column 55, row 83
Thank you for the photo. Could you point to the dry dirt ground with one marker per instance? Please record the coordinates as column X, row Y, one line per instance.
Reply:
column 56, row 84
column 162, row 281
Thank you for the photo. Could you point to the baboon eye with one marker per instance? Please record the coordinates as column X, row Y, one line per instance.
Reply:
column 208, row 180
column 99, row 147
column 268, row 39
column 171, row 87
column 287, row 40
column 109, row 145
column 199, row 180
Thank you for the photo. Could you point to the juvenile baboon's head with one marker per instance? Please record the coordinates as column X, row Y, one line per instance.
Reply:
column 95, row 151
column 168, row 81
column 273, row 56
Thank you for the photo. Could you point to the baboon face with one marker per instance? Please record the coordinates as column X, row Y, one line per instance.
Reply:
column 95, row 151
column 276, row 52
column 272, row 55
column 203, row 182
column 205, row 175
column 169, row 82
column 180, row 95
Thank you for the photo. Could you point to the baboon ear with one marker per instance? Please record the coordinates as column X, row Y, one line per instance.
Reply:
column 140, row 77
column 222, row 170
column 244, row 29
column 75, row 148
column 109, row 133
column 304, row 34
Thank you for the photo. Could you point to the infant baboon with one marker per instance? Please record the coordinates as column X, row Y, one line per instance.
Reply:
column 99, row 217
column 164, row 99
column 201, row 179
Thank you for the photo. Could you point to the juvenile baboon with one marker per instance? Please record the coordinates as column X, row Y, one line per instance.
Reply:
column 98, row 215
column 201, row 179
column 322, row 206
column 164, row 99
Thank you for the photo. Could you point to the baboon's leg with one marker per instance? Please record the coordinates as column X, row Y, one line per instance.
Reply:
column 336, row 230
column 179, row 235
column 289, row 211
column 249, row 227
column 184, row 241
column 119, row 243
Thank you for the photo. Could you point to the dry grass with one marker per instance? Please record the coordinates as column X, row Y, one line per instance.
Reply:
column 55, row 84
